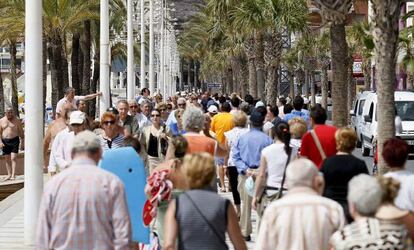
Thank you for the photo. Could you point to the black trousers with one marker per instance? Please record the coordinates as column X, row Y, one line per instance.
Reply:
column 233, row 175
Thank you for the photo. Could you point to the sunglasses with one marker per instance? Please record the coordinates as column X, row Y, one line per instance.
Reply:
column 162, row 109
column 155, row 115
column 133, row 106
column 109, row 122
column 181, row 104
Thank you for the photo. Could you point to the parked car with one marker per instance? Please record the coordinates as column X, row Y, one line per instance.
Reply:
column 364, row 119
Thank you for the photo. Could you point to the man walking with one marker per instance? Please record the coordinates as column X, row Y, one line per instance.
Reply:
column 72, row 99
column 128, row 122
column 319, row 143
column 246, row 157
column 11, row 131
column 84, row 207
column 302, row 219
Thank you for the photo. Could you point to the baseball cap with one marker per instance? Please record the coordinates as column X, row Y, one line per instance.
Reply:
column 212, row 109
column 256, row 117
column 77, row 117
column 259, row 104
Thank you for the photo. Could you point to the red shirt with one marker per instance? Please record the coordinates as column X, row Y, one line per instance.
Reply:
column 326, row 135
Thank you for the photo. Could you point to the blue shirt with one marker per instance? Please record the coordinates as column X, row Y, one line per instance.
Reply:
column 249, row 148
column 299, row 114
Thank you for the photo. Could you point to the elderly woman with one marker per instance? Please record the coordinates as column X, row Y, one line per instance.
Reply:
column 200, row 217
column 232, row 136
column 154, row 141
column 110, row 137
column 193, row 122
column 365, row 196
column 297, row 128
column 339, row 169
column 162, row 107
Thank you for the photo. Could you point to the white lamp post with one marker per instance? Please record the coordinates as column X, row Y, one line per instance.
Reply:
column 151, row 47
column 104, row 57
column 130, row 53
column 142, row 37
column 33, row 160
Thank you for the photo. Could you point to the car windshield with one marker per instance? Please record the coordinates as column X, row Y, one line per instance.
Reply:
column 405, row 110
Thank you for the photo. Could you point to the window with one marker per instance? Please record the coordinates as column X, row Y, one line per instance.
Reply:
column 361, row 107
column 405, row 110
column 356, row 107
column 371, row 111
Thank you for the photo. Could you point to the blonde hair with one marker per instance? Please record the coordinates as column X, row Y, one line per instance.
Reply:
column 346, row 139
column 390, row 188
column 199, row 169
column 297, row 127
column 239, row 119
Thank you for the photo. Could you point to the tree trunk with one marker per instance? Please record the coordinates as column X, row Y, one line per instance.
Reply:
column 313, row 90
column 366, row 67
column 190, row 88
column 260, row 66
column 351, row 87
column 195, row 75
column 339, row 51
column 301, row 81
column 249, row 50
column 54, row 77
column 272, row 44
column 244, row 84
column 86, row 49
column 324, row 87
column 76, row 80
column 229, row 77
column 57, row 68
column 410, row 82
column 385, row 22
column 291, row 84
column 94, row 84
column 1, row 96
column 271, row 86
column 13, row 77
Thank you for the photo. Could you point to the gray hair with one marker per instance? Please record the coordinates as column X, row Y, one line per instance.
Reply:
column 193, row 119
column 145, row 102
column 132, row 101
column 301, row 173
column 122, row 101
column 68, row 90
column 365, row 193
column 86, row 142
column 181, row 99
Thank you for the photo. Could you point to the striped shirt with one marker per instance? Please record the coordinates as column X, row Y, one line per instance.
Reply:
column 107, row 143
column 84, row 208
column 300, row 220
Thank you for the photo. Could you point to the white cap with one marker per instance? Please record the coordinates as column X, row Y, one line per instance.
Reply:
column 259, row 104
column 212, row 109
column 77, row 117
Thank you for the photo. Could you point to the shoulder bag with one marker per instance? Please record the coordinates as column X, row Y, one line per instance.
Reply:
column 318, row 144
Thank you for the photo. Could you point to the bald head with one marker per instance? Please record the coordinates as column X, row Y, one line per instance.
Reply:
column 301, row 173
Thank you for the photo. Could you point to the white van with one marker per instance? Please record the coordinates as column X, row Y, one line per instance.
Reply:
column 367, row 126
column 356, row 114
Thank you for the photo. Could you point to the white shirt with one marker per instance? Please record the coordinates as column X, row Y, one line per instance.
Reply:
column 232, row 136
column 63, row 101
column 281, row 112
column 405, row 198
column 62, row 148
column 301, row 220
column 267, row 127
column 276, row 158
column 143, row 121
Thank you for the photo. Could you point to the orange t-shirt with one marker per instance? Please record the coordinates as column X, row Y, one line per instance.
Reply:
column 200, row 143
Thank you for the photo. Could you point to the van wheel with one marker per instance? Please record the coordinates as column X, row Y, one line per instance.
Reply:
column 365, row 150
column 359, row 143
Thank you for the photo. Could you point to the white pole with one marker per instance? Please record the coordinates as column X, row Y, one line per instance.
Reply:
column 161, row 76
column 104, row 58
column 130, row 54
column 33, row 159
column 151, row 48
column 142, row 80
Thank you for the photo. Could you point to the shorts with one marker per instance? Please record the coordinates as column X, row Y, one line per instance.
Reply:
column 11, row 145
column 219, row 160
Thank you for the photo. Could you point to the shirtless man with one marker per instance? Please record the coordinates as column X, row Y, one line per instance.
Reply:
column 54, row 128
column 11, row 129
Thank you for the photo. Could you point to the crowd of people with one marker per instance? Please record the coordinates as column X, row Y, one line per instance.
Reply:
column 281, row 160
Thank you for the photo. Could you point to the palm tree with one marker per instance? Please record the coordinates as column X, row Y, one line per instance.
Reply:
column 407, row 48
column 324, row 61
column 12, row 28
column 385, row 25
column 335, row 12
column 359, row 36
